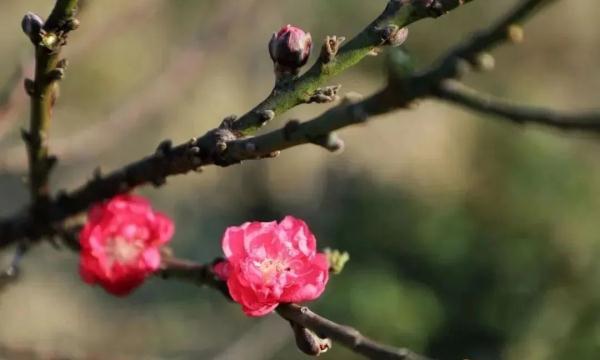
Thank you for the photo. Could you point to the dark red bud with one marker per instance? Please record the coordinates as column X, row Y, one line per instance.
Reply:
column 290, row 47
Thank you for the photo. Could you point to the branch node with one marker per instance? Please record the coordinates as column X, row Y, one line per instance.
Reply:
column 213, row 145
column 515, row 33
column 331, row 142
column 164, row 149
column 375, row 51
column 392, row 35
column 483, row 62
column 330, row 48
column 56, row 74
column 51, row 161
column 434, row 8
column 227, row 123
column 97, row 174
column 273, row 154
column 324, row 95
column 71, row 24
column 159, row 181
column 26, row 136
column 30, row 87
column 290, row 128
column 265, row 116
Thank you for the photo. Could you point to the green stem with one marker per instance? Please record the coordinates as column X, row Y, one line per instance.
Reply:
column 398, row 12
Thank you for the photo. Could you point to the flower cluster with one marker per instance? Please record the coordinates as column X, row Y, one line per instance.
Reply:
column 268, row 263
column 120, row 243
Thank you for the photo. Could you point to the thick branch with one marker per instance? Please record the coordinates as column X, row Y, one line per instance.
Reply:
column 460, row 94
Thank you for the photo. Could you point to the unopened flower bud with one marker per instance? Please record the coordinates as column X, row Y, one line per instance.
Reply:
column 32, row 25
column 290, row 48
column 308, row 342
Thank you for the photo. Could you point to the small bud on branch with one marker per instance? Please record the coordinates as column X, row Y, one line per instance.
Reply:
column 32, row 26
column 289, row 49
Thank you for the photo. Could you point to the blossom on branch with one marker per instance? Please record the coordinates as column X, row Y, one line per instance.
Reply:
column 268, row 263
column 120, row 243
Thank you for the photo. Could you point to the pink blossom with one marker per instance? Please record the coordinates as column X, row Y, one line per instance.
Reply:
column 120, row 243
column 269, row 263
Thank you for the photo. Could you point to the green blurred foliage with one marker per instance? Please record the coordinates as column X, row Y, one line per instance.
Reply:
column 468, row 237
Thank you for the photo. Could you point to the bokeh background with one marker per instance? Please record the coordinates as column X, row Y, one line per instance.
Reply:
column 469, row 237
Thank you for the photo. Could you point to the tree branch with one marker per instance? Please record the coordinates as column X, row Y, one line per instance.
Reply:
column 460, row 94
column 49, row 68
column 399, row 13
column 199, row 274
column 345, row 335
column 211, row 148
column 189, row 271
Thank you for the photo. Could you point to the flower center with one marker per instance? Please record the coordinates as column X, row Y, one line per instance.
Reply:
column 121, row 250
column 272, row 267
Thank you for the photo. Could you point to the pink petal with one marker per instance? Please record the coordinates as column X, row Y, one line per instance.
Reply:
column 151, row 258
column 233, row 242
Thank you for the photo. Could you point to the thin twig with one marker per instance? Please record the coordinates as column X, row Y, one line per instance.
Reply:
column 460, row 94
column 189, row 271
column 345, row 335
column 49, row 68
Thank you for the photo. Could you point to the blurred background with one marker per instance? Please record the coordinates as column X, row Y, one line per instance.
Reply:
column 469, row 237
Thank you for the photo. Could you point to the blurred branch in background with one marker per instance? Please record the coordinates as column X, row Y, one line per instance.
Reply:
column 460, row 94
column 164, row 90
